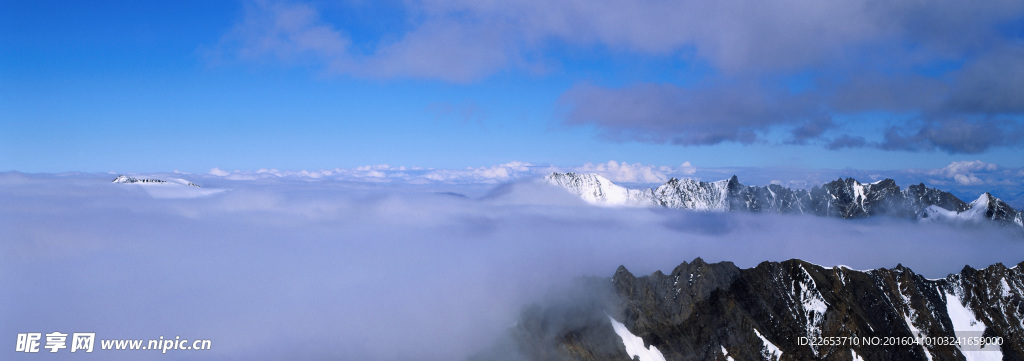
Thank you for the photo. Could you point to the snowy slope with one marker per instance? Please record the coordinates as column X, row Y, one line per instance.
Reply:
column 635, row 345
column 596, row 189
column 168, row 188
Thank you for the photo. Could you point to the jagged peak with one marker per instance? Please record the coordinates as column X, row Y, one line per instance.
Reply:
column 124, row 179
column 573, row 175
column 622, row 272
column 984, row 200
column 698, row 264
column 998, row 266
column 793, row 263
column 579, row 176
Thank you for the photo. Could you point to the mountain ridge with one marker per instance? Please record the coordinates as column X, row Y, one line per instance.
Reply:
column 842, row 198
column 718, row 311
column 132, row 180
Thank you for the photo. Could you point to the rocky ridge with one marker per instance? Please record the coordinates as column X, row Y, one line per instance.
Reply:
column 777, row 310
column 131, row 180
column 843, row 198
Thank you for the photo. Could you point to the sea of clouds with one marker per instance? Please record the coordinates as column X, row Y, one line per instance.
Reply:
column 326, row 268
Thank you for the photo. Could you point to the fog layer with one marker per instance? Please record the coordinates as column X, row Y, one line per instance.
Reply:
column 294, row 269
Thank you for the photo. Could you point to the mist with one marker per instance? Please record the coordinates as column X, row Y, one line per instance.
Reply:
column 292, row 268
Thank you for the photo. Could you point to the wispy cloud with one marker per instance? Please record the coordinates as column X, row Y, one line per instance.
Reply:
column 949, row 70
column 289, row 32
column 965, row 135
column 963, row 172
column 663, row 113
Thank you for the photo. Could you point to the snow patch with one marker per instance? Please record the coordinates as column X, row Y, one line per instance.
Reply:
column 856, row 357
column 910, row 315
column 843, row 266
column 635, row 345
column 859, row 194
column 909, row 318
column 768, row 350
column 812, row 304
column 965, row 324
column 725, row 354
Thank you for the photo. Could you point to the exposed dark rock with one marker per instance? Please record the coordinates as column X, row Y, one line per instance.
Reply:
column 700, row 309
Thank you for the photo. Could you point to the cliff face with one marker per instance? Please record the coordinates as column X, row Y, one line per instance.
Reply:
column 717, row 311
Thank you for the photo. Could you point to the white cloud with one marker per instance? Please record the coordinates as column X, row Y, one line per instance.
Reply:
column 966, row 172
column 624, row 172
column 493, row 174
column 687, row 168
column 287, row 31
column 967, row 179
column 379, row 171
column 463, row 40
column 636, row 172
column 219, row 172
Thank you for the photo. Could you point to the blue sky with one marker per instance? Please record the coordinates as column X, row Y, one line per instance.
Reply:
column 140, row 87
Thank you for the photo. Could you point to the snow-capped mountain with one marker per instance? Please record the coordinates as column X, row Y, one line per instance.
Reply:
column 983, row 209
column 596, row 189
column 691, row 194
column 167, row 188
column 845, row 198
column 130, row 180
column 791, row 310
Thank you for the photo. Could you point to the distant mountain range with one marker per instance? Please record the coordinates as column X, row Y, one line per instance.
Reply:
column 166, row 188
column 844, row 198
column 791, row 310
column 130, row 180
